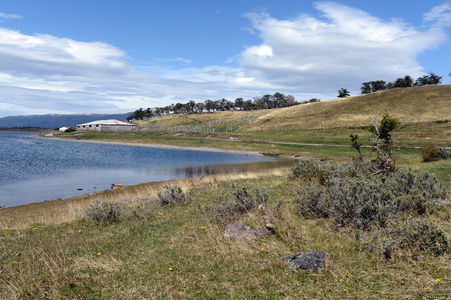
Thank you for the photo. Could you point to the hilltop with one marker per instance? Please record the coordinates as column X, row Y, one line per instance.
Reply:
column 411, row 105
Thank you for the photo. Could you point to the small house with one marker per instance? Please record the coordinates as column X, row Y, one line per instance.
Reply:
column 106, row 125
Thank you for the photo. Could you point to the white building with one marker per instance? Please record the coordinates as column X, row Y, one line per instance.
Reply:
column 106, row 125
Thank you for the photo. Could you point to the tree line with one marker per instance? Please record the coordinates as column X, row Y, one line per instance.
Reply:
column 402, row 82
column 278, row 100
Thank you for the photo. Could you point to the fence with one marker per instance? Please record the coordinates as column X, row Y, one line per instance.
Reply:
column 199, row 129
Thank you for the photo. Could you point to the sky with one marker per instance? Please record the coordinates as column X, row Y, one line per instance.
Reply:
column 115, row 56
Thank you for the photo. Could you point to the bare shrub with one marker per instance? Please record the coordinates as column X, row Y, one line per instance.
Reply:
column 171, row 196
column 240, row 201
column 104, row 213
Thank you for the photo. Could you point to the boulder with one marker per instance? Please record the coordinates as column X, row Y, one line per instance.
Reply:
column 242, row 232
column 312, row 260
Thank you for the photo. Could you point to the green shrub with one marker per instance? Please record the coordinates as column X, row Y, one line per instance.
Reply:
column 421, row 235
column 432, row 153
column 375, row 207
column 104, row 213
column 306, row 169
column 171, row 196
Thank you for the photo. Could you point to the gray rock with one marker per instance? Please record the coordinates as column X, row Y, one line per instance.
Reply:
column 312, row 260
column 438, row 203
column 242, row 232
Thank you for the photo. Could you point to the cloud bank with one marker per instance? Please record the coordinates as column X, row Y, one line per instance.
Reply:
column 304, row 56
column 342, row 48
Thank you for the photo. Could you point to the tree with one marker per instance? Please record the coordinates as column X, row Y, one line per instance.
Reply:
column 431, row 79
column 406, row 81
column 177, row 108
column 210, row 105
column 373, row 86
column 248, row 105
column 200, row 107
column 343, row 93
column 278, row 100
column 138, row 114
column 191, row 105
column 382, row 144
column 239, row 103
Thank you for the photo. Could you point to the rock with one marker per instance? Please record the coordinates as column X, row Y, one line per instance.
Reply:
column 312, row 260
column 242, row 232
column 438, row 203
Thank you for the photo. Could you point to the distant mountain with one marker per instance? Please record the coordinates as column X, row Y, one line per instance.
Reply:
column 55, row 120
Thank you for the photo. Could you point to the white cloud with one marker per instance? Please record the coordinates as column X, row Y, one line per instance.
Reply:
column 9, row 16
column 342, row 48
column 440, row 15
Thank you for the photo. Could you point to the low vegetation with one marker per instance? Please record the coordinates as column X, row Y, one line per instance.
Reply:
column 389, row 240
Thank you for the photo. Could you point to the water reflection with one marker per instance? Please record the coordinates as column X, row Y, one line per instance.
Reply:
column 231, row 168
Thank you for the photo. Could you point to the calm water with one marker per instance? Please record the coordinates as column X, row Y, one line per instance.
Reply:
column 34, row 170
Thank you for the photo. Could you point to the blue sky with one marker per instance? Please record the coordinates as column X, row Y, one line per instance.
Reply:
column 117, row 56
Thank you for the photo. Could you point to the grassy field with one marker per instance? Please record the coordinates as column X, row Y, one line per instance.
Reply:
column 180, row 252
column 51, row 250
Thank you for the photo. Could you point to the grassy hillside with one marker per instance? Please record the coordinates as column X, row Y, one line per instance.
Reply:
column 423, row 103
column 424, row 112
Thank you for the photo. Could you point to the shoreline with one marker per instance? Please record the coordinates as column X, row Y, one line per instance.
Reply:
column 159, row 146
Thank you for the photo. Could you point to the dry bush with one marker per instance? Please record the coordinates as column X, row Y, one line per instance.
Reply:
column 104, row 213
column 172, row 195
column 241, row 200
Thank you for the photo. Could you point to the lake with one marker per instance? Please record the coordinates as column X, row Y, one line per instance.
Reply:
column 35, row 170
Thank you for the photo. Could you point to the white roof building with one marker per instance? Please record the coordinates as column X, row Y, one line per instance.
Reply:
column 106, row 125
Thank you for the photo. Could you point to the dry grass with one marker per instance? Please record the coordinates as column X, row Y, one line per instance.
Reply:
column 68, row 210
column 198, row 119
column 423, row 103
